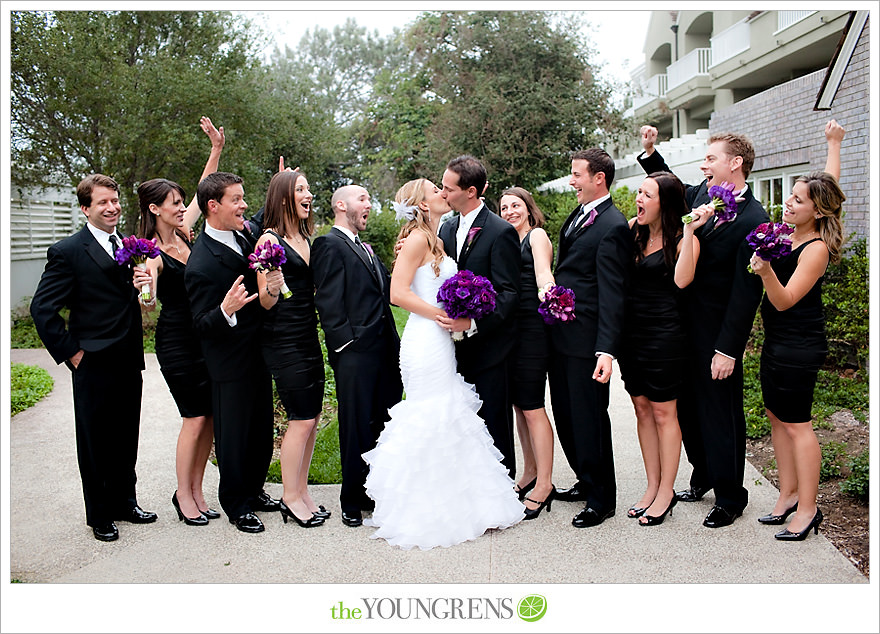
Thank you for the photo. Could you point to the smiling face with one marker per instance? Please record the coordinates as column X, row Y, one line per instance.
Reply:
column 587, row 186
column 227, row 214
column 302, row 198
column 171, row 211
column 648, row 203
column 799, row 208
column 104, row 211
column 513, row 210
column 719, row 166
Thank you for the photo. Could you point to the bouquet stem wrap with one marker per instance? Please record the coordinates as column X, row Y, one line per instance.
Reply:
column 135, row 252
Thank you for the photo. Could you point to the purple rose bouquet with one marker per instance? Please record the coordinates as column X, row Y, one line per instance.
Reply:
column 770, row 241
column 467, row 295
column 724, row 201
column 557, row 304
column 136, row 251
column 269, row 257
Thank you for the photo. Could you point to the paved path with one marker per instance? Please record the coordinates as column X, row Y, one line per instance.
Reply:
column 50, row 543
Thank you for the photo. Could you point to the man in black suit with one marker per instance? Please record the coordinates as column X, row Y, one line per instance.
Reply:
column 720, row 307
column 102, row 344
column 483, row 243
column 352, row 298
column 221, row 288
column 595, row 249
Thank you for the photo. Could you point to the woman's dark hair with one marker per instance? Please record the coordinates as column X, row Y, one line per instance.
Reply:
column 280, row 210
column 154, row 192
column 672, row 207
column 536, row 216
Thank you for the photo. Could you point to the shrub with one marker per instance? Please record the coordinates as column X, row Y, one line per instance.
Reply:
column 857, row 482
column 757, row 423
column 832, row 453
column 28, row 384
column 556, row 207
column 625, row 200
column 845, row 296
column 22, row 333
column 381, row 235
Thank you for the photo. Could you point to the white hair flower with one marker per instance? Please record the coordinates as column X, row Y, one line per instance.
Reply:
column 402, row 210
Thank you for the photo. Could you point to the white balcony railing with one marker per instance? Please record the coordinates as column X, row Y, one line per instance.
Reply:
column 731, row 41
column 652, row 89
column 785, row 19
column 693, row 64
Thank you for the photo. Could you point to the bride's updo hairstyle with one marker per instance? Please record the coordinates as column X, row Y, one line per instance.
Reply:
column 411, row 197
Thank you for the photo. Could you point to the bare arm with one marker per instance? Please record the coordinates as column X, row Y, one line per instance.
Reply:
column 542, row 252
column 413, row 254
column 154, row 268
column 268, row 283
column 689, row 247
column 834, row 133
column 810, row 267
column 218, row 140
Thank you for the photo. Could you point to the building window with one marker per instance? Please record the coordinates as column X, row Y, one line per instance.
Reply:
column 772, row 187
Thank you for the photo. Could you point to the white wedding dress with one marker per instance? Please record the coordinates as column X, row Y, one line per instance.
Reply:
column 435, row 474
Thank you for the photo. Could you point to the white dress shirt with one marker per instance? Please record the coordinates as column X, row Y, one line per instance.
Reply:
column 103, row 238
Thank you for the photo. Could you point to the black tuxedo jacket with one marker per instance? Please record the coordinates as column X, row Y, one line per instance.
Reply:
column 352, row 295
column 594, row 262
column 494, row 253
column 722, row 300
column 104, row 311
column 230, row 352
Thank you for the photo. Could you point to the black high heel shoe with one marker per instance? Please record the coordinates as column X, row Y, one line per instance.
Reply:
column 211, row 514
column 201, row 520
column 533, row 513
column 522, row 492
column 314, row 520
column 788, row 536
column 652, row 520
column 778, row 519
column 322, row 512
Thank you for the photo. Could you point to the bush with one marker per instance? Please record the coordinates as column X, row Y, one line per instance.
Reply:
column 845, row 296
column 625, row 200
column 556, row 207
column 857, row 482
column 28, row 384
column 757, row 423
column 381, row 235
column 22, row 333
column 832, row 453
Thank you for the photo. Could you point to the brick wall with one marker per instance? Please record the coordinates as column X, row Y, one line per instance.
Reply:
column 786, row 130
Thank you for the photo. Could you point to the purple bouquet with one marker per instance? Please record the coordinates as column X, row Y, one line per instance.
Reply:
column 557, row 304
column 136, row 251
column 724, row 201
column 467, row 295
column 770, row 241
column 269, row 257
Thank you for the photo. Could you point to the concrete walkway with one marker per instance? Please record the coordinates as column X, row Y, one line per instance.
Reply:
column 50, row 543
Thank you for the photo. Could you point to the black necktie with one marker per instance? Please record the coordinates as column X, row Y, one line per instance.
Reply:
column 358, row 242
column 243, row 243
column 114, row 244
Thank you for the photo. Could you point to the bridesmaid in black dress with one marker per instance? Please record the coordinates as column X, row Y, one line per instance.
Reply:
column 531, row 354
column 652, row 359
column 794, row 338
column 164, row 218
column 290, row 340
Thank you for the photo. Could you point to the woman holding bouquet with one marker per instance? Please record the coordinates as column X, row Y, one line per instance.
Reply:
column 435, row 474
column 531, row 353
column 794, row 338
column 165, row 219
column 652, row 361
column 290, row 339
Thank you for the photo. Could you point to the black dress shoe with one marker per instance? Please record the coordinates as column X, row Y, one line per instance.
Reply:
column 137, row 515
column 266, row 503
column 248, row 523
column 106, row 532
column 352, row 519
column 590, row 517
column 576, row 493
column 691, row 494
column 322, row 512
column 719, row 517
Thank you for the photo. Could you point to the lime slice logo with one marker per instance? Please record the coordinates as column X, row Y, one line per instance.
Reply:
column 532, row 608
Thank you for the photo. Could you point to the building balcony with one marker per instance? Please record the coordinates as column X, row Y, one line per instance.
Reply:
column 730, row 42
column 694, row 64
column 652, row 90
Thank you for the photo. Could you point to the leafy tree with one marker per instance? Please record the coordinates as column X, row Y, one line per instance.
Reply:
column 121, row 93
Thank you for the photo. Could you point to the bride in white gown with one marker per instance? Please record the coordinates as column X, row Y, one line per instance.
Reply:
column 435, row 474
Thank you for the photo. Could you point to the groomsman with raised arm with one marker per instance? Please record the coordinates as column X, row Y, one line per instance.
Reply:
column 595, row 250
column 221, row 288
column 720, row 307
column 352, row 297
column 102, row 344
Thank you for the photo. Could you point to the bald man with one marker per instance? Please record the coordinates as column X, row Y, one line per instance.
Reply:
column 352, row 297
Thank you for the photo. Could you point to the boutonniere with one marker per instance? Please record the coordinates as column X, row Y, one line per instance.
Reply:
column 471, row 236
column 369, row 249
